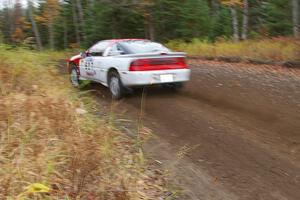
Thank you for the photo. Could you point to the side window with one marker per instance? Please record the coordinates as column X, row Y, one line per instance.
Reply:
column 116, row 49
column 96, row 53
column 99, row 48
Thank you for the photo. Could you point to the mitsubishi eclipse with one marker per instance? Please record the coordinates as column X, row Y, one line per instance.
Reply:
column 121, row 64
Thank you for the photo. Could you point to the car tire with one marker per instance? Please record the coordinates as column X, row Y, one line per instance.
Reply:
column 115, row 85
column 74, row 77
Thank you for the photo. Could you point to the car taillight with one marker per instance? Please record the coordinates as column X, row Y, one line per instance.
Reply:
column 158, row 64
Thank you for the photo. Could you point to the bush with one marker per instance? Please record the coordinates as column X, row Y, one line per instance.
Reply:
column 274, row 49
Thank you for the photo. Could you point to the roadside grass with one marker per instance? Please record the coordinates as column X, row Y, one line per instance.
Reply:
column 51, row 150
column 273, row 49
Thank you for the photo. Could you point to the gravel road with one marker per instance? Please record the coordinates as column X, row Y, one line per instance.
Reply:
column 232, row 133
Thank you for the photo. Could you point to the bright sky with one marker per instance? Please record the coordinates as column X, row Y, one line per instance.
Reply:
column 10, row 3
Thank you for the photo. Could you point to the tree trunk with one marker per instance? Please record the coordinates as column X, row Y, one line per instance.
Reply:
column 65, row 34
column 90, row 6
column 81, row 18
column 34, row 27
column 51, row 35
column 80, row 11
column 75, row 22
column 91, row 2
column 235, row 24
column 151, row 32
column 150, row 27
column 215, row 7
column 12, row 24
column 245, row 20
column 114, row 26
column 295, row 7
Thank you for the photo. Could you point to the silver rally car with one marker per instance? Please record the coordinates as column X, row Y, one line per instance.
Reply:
column 121, row 64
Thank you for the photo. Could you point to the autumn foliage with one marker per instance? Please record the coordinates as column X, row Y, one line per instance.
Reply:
column 61, row 24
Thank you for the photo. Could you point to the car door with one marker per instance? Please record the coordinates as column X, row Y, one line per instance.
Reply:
column 99, row 67
column 102, row 63
column 85, row 67
column 90, row 66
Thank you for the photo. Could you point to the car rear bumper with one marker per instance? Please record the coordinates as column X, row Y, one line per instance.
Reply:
column 138, row 78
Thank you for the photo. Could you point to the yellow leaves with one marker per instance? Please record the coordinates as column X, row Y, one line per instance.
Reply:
column 50, row 12
column 34, row 188
column 40, row 19
column 17, row 35
column 37, row 188
column 27, row 25
column 232, row 2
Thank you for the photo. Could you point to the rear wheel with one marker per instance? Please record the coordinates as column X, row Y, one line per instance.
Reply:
column 115, row 85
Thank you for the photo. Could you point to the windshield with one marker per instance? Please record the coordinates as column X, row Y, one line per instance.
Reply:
column 143, row 46
column 99, row 47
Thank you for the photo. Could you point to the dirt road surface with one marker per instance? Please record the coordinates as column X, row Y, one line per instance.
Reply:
column 232, row 133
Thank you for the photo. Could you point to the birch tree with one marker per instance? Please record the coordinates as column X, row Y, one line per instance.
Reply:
column 75, row 22
column 295, row 7
column 80, row 17
column 245, row 19
column 232, row 4
column 235, row 24
column 34, row 26
column 215, row 7
column 144, row 7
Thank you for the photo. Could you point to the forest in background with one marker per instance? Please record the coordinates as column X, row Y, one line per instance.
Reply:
column 61, row 143
column 61, row 24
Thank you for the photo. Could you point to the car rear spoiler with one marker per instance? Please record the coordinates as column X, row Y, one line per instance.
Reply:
column 155, row 54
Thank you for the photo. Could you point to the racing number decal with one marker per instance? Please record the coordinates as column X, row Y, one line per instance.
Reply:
column 88, row 65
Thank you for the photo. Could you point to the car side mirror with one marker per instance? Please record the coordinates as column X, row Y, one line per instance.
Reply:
column 83, row 54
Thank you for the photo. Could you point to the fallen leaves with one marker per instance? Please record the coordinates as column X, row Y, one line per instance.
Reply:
column 33, row 189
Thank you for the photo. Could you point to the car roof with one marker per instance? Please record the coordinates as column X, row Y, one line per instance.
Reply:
column 113, row 41
column 127, row 39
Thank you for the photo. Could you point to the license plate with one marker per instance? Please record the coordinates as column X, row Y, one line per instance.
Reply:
column 165, row 78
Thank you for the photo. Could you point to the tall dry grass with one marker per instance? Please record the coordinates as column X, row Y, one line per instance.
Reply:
column 273, row 49
column 49, row 150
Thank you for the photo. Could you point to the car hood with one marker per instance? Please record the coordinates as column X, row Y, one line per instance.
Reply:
column 78, row 56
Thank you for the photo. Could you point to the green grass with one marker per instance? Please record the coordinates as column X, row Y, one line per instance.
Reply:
column 275, row 49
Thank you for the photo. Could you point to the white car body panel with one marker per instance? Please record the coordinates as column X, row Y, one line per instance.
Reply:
column 96, row 68
column 154, row 77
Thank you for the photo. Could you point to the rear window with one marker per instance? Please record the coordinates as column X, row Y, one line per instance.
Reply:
column 143, row 46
